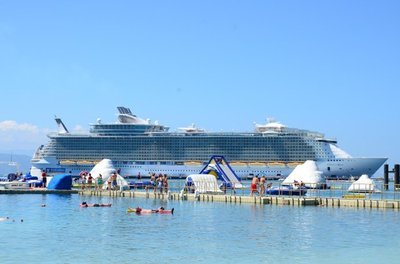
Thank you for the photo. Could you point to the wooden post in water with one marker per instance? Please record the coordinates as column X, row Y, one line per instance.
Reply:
column 386, row 177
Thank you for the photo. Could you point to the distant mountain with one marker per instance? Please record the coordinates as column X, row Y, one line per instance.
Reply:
column 14, row 162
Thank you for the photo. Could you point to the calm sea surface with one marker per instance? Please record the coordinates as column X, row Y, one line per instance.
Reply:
column 198, row 232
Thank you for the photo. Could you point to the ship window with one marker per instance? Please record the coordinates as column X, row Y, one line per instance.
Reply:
column 329, row 168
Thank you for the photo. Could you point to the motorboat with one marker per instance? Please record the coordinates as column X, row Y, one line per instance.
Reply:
column 14, row 185
column 287, row 190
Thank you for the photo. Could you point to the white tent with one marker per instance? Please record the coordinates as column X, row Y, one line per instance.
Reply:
column 106, row 169
column 204, row 183
column 363, row 185
column 307, row 173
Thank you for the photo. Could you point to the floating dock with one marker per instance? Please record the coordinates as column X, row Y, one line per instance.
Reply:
column 38, row 191
column 347, row 201
column 276, row 200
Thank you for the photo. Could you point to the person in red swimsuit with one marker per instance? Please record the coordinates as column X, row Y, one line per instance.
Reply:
column 254, row 185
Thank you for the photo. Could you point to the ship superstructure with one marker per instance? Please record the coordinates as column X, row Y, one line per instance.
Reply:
column 138, row 146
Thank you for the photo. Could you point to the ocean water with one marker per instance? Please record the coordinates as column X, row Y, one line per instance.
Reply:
column 198, row 232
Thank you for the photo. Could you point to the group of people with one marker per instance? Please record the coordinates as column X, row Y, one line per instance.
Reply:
column 159, row 183
column 258, row 185
column 137, row 210
column 112, row 181
column 298, row 184
column 87, row 181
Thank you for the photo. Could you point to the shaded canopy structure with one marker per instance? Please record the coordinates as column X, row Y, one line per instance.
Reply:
column 363, row 185
column 203, row 183
column 307, row 173
column 106, row 169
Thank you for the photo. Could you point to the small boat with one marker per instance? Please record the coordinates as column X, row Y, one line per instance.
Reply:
column 238, row 163
column 294, row 163
column 193, row 163
column 67, row 162
column 286, row 190
column 140, row 184
column 276, row 163
column 257, row 163
column 84, row 162
column 14, row 185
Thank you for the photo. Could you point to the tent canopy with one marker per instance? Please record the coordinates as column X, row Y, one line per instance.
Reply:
column 203, row 183
column 307, row 173
column 106, row 169
column 363, row 184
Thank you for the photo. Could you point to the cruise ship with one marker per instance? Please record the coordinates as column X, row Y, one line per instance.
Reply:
column 137, row 146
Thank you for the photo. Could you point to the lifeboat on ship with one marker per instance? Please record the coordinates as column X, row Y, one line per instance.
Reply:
column 193, row 163
column 84, row 162
column 238, row 163
column 294, row 163
column 257, row 163
column 67, row 162
column 276, row 164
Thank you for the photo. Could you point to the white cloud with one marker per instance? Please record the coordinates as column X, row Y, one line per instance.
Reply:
column 21, row 137
column 11, row 125
column 79, row 129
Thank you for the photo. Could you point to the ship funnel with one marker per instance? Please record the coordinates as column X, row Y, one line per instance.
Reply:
column 62, row 129
column 125, row 116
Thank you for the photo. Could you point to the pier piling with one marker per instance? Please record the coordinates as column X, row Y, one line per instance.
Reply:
column 386, row 177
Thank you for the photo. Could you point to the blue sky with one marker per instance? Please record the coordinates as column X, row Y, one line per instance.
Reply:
column 329, row 66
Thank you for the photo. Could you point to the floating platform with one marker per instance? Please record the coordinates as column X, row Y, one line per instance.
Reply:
column 38, row 191
column 354, row 196
column 276, row 200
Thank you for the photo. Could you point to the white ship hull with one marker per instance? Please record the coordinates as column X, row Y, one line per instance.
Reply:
column 334, row 168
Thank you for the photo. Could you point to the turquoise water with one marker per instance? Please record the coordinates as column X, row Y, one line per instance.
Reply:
column 198, row 232
column 338, row 189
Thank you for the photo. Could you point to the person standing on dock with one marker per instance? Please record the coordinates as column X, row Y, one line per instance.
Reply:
column 114, row 181
column 254, row 185
column 90, row 181
column 160, row 180
column 99, row 181
column 83, row 180
column 109, row 183
column 153, row 181
column 262, row 185
column 44, row 179
column 165, row 183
